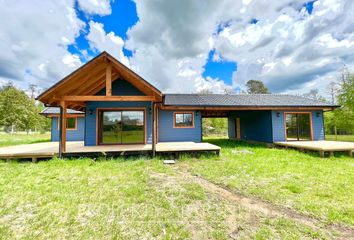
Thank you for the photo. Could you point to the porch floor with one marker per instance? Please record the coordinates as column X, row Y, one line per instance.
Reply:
column 321, row 146
column 50, row 149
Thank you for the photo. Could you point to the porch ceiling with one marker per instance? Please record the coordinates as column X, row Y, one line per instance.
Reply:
column 214, row 114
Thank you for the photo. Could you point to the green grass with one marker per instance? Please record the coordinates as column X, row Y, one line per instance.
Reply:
column 124, row 199
column 322, row 188
column 11, row 139
column 142, row 198
column 348, row 138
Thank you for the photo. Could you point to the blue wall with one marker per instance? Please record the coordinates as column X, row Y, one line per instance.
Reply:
column 121, row 87
column 90, row 136
column 279, row 127
column 167, row 133
column 255, row 125
column 71, row 135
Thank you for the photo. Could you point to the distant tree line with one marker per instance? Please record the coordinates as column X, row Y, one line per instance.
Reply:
column 20, row 112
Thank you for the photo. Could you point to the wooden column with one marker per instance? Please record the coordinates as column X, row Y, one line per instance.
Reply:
column 153, row 106
column 109, row 80
column 63, row 105
column 60, row 130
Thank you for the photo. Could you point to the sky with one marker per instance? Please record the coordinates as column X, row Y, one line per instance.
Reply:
column 181, row 46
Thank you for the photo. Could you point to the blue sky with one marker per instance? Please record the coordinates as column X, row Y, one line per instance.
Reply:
column 124, row 16
column 181, row 46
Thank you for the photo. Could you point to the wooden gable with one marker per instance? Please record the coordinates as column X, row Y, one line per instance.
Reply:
column 83, row 84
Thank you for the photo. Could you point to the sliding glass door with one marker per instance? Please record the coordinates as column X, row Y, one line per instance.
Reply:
column 121, row 127
column 298, row 126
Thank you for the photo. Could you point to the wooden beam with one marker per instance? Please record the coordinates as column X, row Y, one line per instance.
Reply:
column 88, row 84
column 183, row 108
column 63, row 125
column 77, row 73
column 79, row 85
column 68, row 115
column 109, row 80
column 100, row 84
column 108, row 98
column 134, row 78
column 62, row 88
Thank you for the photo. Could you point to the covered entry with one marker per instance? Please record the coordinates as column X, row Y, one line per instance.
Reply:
column 214, row 124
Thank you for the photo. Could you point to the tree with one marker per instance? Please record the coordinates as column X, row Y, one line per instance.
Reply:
column 333, row 91
column 256, row 87
column 11, row 107
column 314, row 94
column 345, row 115
column 17, row 110
column 205, row 91
column 33, row 90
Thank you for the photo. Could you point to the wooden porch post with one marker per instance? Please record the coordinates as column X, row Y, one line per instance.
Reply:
column 60, row 131
column 63, row 127
column 109, row 80
column 153, row 129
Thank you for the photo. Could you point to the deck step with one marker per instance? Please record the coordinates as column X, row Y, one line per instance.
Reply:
column 169, row 161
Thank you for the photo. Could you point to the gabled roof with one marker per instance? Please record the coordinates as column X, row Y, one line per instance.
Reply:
column 242, row 100
column 56, row 111
column 91, row 78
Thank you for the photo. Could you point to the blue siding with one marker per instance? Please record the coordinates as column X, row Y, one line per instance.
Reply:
column 71, row 135
column 167, row 133
column 90, row 136
column 121, row 87
column 279, row 127
column 255, row 125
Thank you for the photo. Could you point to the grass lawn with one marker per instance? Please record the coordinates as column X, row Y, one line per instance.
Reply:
column 348, row 138
column 8, row 139
column 319, row 187
column 142, row 198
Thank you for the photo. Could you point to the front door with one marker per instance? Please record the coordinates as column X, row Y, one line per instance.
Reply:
column 121, row 127
column 298, row 126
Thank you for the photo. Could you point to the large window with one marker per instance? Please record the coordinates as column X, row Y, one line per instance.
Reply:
column 122, row 127
column 298, row 126
column 183, row 120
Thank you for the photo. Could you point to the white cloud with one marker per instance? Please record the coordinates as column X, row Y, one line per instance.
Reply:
column 288, row 49
column 71, row 60
column 101, row 41
column 33, row 41
column 92, row 7
column 172, row 40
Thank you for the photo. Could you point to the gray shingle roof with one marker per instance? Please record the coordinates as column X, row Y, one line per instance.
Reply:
column 242, row 100
column 56, row 110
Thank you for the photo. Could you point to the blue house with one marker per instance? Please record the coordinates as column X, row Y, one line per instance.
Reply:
column 75, row 124
column 104, row 103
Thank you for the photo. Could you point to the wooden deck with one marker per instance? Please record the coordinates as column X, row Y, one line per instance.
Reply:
column 75, row 149
column 322, row 147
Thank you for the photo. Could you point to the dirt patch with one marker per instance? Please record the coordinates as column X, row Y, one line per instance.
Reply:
column 266, row 208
